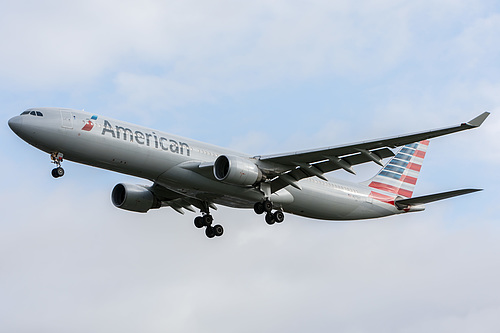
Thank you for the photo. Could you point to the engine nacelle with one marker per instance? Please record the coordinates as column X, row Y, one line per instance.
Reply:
column 135, row 198
column 236, row 170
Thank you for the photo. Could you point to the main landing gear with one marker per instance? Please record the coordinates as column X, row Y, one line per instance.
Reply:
column 57, row 159
column 206, row 221
column 266, row 206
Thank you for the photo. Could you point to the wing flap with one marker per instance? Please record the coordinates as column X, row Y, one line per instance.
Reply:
column 305, row 170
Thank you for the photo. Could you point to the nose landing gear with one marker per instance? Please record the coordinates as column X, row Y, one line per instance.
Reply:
column 57, row 159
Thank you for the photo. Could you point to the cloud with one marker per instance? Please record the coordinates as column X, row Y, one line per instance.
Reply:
column 267, row 42
column 261, row 77
column 484, row 319
column 87, row 265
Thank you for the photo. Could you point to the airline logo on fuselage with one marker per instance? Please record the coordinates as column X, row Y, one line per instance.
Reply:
column 89, row 125
column 147, row 139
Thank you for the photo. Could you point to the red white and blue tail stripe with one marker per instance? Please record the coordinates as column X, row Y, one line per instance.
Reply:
column 400, row 175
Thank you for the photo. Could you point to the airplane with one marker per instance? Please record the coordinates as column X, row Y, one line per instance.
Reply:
column 187, row 174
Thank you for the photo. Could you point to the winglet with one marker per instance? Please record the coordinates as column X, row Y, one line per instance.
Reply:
column 476, row 122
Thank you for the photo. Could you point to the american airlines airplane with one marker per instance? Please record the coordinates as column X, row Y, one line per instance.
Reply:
column 188, row 174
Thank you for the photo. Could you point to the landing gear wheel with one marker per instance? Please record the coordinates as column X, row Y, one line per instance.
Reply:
column 207, row 220
column 210, row 232
column 218, row 230
column 268, row 206
column 270, row 218
column 57, row 159
column 278, row 216
column 198, row 222
column 258, row 208
column 57, row 172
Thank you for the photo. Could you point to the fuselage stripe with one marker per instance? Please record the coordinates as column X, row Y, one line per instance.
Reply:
column 414, row 166
column 394, row 168
column 408, row 179
column 402, row 156
column 382, row 198
column 392, row 189
column 419, row 153
column 384, row 187
column 408, row 151
column 390, row 175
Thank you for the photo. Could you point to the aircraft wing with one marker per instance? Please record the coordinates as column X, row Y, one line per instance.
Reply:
column 291, row 167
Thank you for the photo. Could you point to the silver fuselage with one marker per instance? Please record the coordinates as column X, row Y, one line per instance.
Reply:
column 167, row 159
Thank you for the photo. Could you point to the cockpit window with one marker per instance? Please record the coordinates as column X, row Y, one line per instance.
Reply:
column 33, row 113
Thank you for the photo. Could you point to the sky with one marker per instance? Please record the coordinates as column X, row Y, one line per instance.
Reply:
column 260, row 77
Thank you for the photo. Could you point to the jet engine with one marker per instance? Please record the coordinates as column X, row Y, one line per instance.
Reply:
column 135, row 198
column 236, row 170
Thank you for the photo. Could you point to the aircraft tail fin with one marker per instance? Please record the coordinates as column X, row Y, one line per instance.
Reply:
column 400, row 175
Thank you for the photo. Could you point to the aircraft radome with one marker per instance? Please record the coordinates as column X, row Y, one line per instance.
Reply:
column 188, row 175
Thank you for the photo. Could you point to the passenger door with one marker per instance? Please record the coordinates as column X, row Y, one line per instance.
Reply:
column 67, row 119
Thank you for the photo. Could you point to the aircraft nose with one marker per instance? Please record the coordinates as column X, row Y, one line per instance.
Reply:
column 15, row 124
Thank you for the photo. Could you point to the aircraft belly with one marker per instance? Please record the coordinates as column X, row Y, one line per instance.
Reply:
column 192, row 184
column 321, row 202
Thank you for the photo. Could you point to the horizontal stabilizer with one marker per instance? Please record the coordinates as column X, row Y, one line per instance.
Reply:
column 433, row 197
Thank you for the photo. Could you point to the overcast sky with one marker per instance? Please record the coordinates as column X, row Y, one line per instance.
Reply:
column 260, row 77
